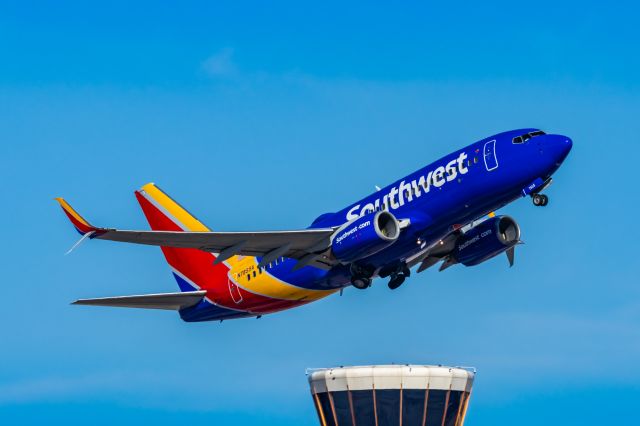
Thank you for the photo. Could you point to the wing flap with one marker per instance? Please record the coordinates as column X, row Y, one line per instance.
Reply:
column 168, row 301
column 254, row 243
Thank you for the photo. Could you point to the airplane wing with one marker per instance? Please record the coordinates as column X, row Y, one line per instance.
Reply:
column 306, row 245
column 168, row 301
column 442, row 249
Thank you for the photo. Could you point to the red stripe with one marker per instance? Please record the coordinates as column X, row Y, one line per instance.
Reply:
column 81, row 227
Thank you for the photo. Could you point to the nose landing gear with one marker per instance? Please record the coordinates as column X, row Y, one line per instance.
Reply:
column 539, row 200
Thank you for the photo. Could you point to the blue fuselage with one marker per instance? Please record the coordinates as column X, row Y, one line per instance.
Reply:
column 450, row 192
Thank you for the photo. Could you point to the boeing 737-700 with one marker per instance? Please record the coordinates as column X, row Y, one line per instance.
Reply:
column 440, row 213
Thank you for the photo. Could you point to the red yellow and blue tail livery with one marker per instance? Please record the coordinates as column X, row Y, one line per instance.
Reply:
column 440, row 213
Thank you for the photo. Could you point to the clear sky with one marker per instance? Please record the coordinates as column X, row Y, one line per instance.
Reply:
column 264, row 115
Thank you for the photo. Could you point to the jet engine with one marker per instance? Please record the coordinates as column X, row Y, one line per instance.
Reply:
column 486, row 240
column 365, row 236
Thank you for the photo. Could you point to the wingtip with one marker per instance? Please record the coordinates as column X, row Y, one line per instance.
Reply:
column 80, row 223
column 62, row 202
column 146, row 186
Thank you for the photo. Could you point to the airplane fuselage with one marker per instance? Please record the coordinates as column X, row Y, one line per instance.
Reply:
column 445, row 195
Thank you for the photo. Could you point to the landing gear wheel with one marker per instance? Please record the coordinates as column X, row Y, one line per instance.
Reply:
column 396, row 281
column 360, row 283
column 545, row 200
column 539, row 200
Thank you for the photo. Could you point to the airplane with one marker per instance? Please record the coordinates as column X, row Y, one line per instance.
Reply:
column 443, row 213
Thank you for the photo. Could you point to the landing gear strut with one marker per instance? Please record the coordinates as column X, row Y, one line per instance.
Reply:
column 398, row 277
column 540, row 200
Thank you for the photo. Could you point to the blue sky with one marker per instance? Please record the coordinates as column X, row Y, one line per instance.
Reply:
column 262, row 116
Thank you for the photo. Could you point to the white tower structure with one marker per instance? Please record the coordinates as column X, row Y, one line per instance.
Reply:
column 385, row 395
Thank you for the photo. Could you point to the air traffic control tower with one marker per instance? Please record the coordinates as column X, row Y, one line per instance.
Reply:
column 386, row 395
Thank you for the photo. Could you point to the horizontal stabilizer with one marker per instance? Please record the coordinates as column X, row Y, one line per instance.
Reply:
column 169, row 301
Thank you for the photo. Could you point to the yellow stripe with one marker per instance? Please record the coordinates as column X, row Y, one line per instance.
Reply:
column 271, row 287
column 267, row 285
column 67, row 207
column 177, row 211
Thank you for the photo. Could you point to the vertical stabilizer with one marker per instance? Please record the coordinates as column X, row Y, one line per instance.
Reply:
column 193, row 269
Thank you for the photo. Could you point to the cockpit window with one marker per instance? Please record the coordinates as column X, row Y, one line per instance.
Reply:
column 527, row 136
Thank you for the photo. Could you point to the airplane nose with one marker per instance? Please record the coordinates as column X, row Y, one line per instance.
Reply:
column 558, row 147
column 565, row 144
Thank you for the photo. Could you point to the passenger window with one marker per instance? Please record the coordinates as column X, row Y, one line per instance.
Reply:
column 475, row 160
column 248, row 277
column 254, row 274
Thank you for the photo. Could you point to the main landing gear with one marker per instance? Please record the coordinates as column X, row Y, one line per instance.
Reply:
column 360, row 282
column 398, row 277
column 539, row 200
column 360, row 276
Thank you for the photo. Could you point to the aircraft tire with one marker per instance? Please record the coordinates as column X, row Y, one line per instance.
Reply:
column 538, row 199
column 396, row 281
column 360, row 283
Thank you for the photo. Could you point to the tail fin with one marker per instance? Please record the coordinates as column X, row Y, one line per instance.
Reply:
column 192, row 268
column 165, row 214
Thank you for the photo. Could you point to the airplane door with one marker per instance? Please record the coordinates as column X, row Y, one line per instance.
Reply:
column 490, row 159
column 234, row 290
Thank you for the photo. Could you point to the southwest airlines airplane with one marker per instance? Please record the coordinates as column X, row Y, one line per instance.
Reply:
column 440, row 213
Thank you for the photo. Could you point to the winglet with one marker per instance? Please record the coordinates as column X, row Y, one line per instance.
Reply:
column 81, row 225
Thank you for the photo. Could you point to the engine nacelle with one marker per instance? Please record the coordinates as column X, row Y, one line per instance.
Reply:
column 486, row 240
column 365, row 236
